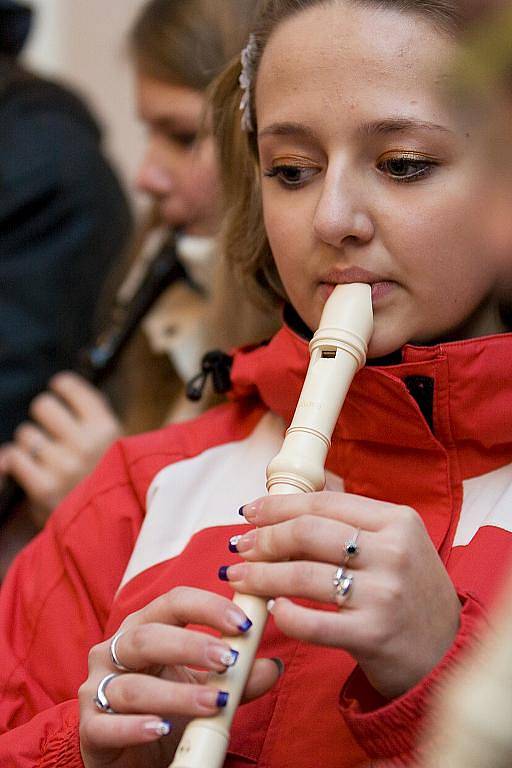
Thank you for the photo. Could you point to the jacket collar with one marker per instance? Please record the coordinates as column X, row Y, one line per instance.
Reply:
column 472, row 395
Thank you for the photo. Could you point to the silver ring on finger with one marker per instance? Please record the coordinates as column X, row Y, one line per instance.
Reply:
column 342, row 583
column 113, row 653
column 350, row 547
column 100, row 699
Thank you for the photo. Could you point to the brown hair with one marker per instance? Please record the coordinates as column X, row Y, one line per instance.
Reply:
column 245, row 242
column 188, row 42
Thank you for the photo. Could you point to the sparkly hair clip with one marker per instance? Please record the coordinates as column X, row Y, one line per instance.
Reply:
column 247, row 58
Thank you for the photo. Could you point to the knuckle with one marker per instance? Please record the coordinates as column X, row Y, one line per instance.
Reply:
column 179, row 595
column 397, row 555
column 95, row 655
column 301, row 531
column 40, row 403
column 267, row 542
column 140, row 638
column 22, row 432
column 409, row 517
column 317, row 503
column 86, row 692
column 389, row 593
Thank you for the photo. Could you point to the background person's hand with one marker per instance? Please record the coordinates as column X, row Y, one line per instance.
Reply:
column 72, row 426
column 162, row 689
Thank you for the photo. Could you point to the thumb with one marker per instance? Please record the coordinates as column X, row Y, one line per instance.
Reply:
column 264, row 675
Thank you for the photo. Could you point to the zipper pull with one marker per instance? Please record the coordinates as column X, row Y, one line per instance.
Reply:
column 216, row 364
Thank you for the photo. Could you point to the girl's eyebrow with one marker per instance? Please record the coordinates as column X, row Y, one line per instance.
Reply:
column 377, row 128
column 400, row 125
column 288, row 129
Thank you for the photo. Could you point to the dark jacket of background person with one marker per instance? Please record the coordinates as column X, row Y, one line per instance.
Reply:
column 63, row 222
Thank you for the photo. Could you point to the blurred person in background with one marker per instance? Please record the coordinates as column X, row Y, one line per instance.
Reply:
column 177, row 47
column 64, row 221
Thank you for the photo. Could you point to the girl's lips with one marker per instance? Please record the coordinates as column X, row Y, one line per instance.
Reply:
column 379, row 289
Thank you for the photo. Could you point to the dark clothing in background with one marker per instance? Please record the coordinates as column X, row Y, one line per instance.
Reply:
column 64, row 221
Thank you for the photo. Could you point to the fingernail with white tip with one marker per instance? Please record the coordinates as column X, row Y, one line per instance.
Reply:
column 270, row 605
column 158, row 727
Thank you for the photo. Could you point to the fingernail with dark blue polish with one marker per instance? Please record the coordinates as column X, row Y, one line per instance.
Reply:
column 233, row 543
column 222, row 698
column 245, row 627
column 223, row 573
column 241, row 511
column 233, row 656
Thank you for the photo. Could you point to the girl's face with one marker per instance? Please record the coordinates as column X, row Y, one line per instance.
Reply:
column 178, row 171
column 366, row 177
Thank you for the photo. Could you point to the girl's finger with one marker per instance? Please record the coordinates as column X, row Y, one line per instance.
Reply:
column 81, row 397
column 100, row 731
column 32, row 440
column 147, row 645
column 186, row 605
column 43, row 450
column 356, row 511
column 264, row 675
column 56, row 418
column 304, row 579
column 337, row 628
column 143, row 694
column 306, row 538
column 30, row 474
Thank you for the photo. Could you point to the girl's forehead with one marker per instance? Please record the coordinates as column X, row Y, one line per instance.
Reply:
column 349, row 56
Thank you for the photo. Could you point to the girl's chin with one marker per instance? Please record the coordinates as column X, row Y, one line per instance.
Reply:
column 382, row 346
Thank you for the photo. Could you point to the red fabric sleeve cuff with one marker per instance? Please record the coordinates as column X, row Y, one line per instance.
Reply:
column 61, row 749
column 389, row 729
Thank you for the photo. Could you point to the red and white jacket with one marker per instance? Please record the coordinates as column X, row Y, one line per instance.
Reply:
column 160, row 508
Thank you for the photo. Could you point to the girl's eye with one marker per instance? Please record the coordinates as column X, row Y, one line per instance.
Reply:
column 406, row 167
column 291, row 176
column 185, row 139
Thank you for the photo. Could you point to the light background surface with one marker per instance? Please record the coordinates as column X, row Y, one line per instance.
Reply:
column 82, row 42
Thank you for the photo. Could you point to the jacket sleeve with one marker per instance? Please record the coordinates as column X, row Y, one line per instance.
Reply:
column 388, row 730
column 54, row 605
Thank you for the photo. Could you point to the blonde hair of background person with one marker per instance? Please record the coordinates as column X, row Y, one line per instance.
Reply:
column 178, row 47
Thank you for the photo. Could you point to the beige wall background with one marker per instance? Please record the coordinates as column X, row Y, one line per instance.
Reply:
column 83, row 43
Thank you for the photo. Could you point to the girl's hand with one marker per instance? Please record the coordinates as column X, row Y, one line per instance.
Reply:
column 72, row 425
column 153, row 703
column 401, row 613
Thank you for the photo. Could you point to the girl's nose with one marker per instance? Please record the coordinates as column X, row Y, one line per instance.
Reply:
column 153, row 176
column 342, row 214
column 153, row 179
